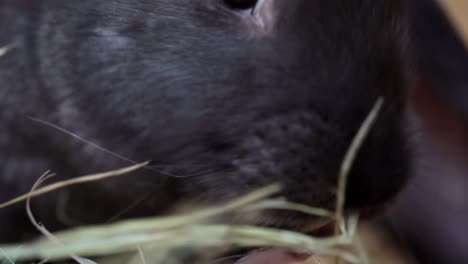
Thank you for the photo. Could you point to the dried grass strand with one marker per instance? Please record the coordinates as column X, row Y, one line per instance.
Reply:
column 41, row 228
column 74, row 181
column 349, row 159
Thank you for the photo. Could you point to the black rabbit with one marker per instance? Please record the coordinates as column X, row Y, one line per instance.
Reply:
column 223, row 96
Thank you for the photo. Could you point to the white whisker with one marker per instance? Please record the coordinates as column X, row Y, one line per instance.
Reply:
column 94, row 145
column 114, row 154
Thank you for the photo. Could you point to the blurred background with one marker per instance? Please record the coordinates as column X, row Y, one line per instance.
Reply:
column 429, row 222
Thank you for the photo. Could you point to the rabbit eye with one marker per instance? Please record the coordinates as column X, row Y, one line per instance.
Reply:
column 241, row 5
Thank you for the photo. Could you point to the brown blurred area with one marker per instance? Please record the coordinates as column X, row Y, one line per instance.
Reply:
column 430, row 218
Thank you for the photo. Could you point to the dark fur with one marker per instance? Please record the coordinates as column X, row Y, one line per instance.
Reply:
column 189, row 85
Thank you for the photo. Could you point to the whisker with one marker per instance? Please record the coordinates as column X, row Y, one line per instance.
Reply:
column 116, row 155
column 92, row 144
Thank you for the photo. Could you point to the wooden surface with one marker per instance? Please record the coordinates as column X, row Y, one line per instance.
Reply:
column 458, row 13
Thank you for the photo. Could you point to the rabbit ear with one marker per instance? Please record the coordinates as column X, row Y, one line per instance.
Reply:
column 457, row 11
column 265, row 17
column 265, row 14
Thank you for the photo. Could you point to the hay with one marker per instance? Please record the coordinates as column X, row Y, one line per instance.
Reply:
column 174, row 239
column 349, row 159
column 75, row 181
column 42, row 228
column 165, row 234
